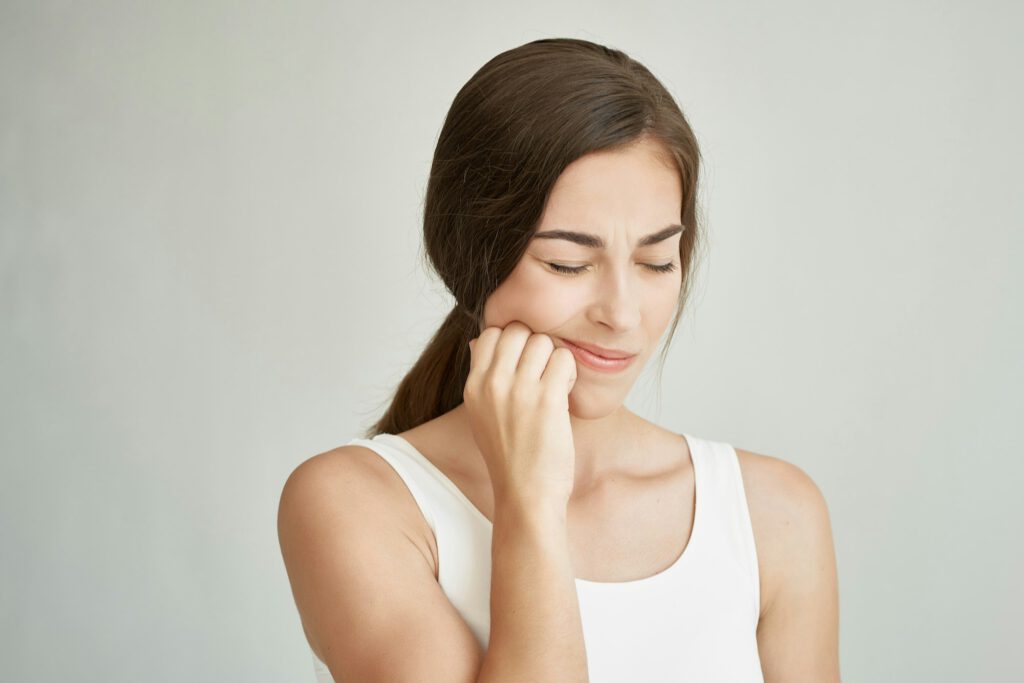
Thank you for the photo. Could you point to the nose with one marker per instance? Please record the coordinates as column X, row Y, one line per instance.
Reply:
column 617, row 303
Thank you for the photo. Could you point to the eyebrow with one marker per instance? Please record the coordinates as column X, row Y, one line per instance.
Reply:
column 595, row 242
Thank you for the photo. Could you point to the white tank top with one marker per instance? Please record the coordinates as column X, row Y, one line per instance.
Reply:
column 694, row 621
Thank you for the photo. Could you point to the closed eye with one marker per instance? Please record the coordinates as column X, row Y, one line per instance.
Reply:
column 577, row 270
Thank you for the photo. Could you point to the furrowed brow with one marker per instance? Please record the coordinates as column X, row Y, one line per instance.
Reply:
column 595, row 242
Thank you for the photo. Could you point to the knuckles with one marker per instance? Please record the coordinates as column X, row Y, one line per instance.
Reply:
column 484, row 383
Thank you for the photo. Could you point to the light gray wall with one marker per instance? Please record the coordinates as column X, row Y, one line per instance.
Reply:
column 209, row 233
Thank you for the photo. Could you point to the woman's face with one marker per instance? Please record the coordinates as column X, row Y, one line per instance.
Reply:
column 621, row 298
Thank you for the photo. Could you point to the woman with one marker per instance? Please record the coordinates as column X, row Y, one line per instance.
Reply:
column 508, row 518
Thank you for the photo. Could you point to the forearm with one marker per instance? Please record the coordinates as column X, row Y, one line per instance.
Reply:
column 536, row 631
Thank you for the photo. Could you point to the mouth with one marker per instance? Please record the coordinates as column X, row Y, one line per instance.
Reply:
column 593, row 356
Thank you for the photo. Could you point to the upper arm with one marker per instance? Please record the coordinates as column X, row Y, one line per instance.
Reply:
column 798, row 633
column 370, row 604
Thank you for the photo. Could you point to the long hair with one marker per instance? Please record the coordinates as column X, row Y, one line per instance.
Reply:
column 512, row 129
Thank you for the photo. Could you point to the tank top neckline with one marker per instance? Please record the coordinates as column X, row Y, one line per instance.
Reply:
column 681, row 560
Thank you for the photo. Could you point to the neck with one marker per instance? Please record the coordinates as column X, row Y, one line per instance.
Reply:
column 602, row 444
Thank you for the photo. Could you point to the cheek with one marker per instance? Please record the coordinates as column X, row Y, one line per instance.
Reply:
column 667, row 296
column 663, row 304
column 532, row 298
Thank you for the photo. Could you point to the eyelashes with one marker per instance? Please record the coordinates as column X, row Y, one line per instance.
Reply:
column 577, row 270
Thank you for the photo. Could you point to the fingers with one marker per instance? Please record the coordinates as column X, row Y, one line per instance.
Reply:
column 534, row 359
column 560, row 374
column 508, row 349
column 515, row 351
column 489, row 353
column 482, row 350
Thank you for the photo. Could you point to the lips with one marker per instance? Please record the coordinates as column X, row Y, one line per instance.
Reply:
column 610, row 354
column 591, row 360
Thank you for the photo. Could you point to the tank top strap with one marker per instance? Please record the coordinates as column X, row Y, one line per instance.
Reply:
column 412, row 468
column 462, row 533
column 727, row 514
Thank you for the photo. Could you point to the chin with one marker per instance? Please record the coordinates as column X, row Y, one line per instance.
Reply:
column 586, row 406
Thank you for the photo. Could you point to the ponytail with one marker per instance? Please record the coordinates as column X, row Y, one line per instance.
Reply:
column 435, row 383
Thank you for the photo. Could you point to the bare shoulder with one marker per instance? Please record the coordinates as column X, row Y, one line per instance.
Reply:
column 359, row 481
column 345, row 535
column 331, row 479
column 787, row 508
column 798, row 627
column 772, row 480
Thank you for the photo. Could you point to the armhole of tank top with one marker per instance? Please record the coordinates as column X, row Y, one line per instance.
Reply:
column 748, row 531
column 402, row 467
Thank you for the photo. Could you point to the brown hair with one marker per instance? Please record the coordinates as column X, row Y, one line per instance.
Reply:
column 512, row 129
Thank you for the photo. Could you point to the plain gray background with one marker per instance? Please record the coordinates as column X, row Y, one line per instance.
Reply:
column 209, row 272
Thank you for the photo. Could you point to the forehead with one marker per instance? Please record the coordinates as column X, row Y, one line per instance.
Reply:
column 636, row 187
